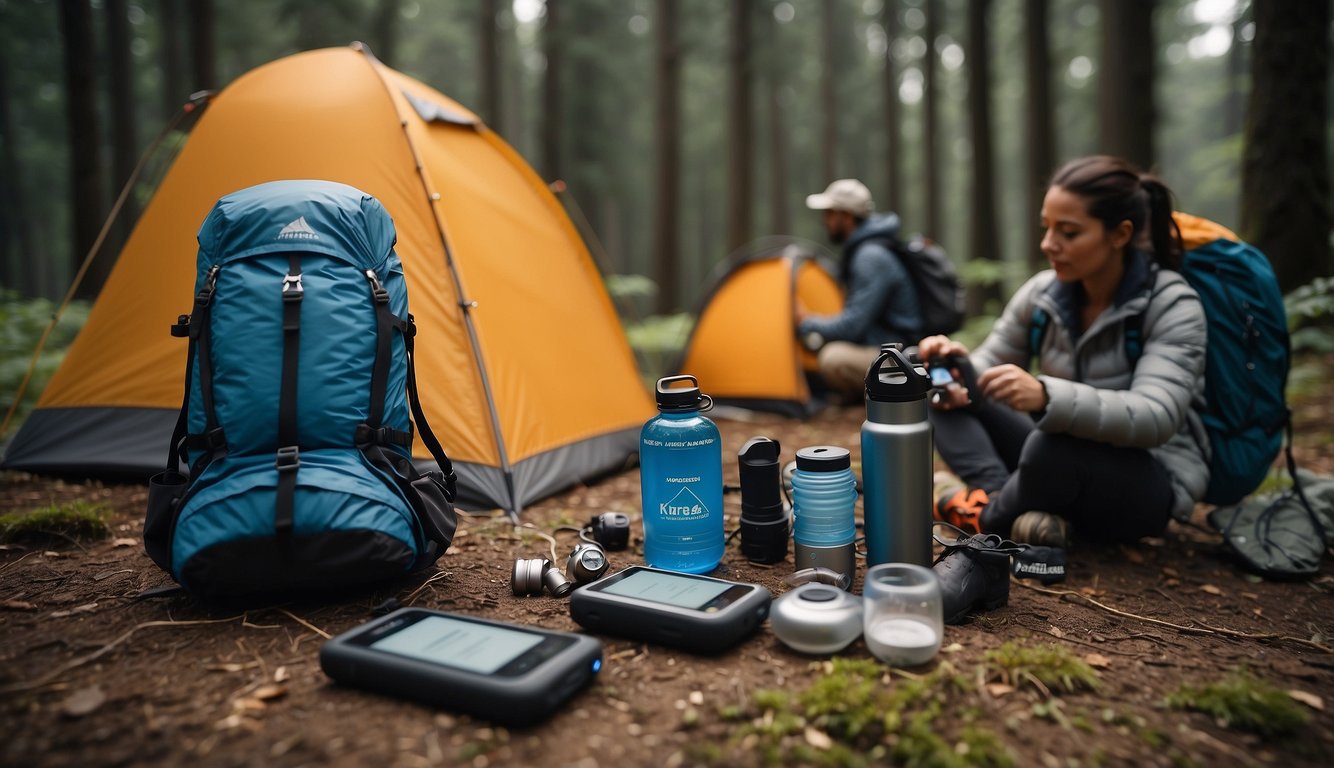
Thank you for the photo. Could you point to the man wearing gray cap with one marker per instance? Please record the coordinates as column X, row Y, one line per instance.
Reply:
column 880, row 304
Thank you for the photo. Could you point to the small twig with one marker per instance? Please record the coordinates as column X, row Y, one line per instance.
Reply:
column 1046, row 692
column 408, row 600
column 306, row 624
column 19, row 560
column 551, row 539
column 1203, row 629
column 100, row 652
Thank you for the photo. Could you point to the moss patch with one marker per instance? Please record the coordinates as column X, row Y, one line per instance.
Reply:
column 57, row 522
column 1244, row 702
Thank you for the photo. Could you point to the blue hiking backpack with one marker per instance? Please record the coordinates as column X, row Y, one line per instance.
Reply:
column 1246, row 361
column 298, row 385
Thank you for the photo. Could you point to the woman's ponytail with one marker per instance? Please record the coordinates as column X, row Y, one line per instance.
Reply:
column 1163, row 230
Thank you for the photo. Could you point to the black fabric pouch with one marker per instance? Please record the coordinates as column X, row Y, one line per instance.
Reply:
column 1046, row 564
column 165, row 491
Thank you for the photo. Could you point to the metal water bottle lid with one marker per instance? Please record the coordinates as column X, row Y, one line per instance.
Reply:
column 902, row 382
column 679, row 399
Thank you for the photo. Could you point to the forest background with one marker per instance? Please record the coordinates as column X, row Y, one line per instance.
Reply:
column 684, row 129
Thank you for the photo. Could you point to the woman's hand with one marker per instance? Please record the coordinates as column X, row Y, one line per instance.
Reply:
column 939, row 346
column 1013, row 386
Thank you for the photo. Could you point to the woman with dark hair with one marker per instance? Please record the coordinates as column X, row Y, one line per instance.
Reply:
column 1105, row 437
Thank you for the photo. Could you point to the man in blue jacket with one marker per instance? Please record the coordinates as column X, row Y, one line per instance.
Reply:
column 880, row 304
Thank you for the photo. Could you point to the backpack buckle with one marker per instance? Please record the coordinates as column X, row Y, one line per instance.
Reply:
column 378, row 291
column 292, row 290
column 288, row 459
column 181, row 328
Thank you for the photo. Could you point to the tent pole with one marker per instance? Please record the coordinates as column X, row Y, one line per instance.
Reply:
column 465, row 305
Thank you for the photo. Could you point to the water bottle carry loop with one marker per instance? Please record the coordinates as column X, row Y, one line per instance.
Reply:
column 706, row 403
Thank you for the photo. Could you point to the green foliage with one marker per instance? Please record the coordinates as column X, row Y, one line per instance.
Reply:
column 1051, row 665
column 1244, row 702
column 75, row 519
column 856, row 714
column 1310, row 310
column 658, row 340
column 22, row 322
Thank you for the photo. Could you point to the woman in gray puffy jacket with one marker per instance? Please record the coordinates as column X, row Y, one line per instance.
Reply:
column 1101, row 439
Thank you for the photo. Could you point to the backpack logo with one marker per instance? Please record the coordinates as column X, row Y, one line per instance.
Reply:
column 298, row 230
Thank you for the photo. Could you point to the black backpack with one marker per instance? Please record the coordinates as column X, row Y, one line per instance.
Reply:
column 939, row 292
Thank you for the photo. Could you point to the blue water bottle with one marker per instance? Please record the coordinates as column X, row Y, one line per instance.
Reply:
column 824, row 500
column 681, row 481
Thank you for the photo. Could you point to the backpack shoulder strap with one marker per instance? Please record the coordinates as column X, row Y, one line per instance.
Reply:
column 1037, row 329
column 419, row 416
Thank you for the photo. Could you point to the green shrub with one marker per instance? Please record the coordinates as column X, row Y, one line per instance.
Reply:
column 22, row 322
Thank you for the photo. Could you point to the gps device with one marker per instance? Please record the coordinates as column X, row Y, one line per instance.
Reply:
column 501, row 672
column 940, row 374
column 693, row 613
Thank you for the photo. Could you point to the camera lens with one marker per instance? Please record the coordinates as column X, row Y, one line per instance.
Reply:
column 526, row 578
column 586, row 563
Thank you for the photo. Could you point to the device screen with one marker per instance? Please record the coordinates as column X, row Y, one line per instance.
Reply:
column 481, row 648
column 658, row 587
column 940, row 376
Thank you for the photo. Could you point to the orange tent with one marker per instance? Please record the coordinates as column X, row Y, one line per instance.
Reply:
column 743, row 348
column 525, row 372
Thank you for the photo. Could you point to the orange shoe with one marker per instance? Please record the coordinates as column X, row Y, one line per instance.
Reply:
column 963, row 508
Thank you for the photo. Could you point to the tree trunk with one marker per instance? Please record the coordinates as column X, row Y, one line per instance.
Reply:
column 552, row 48
column 124, row 125
column 739, row 138
column 984, row 237
column 829, row 93
column 202, row 42
column 16, row 254
column 1235, row 107
column 86, row 178
column 384, row 31
column 489, row 66
column 1285, row 191
column 666, row 238
column 1040, row 124
column 930, row 123
column 778, row 150
column 893, row 113
column 1125, row 81
column 174, row 89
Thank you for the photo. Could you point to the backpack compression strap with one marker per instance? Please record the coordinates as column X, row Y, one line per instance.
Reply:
column 418, row 415
column 288, row 458
column 212, row 442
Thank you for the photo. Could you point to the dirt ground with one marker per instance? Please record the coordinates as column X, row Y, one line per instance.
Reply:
column 91, row 675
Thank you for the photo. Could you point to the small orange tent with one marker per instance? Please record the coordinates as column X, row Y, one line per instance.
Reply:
column 525, row 372
column 743, row 348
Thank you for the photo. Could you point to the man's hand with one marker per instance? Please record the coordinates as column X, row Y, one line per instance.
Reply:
column 1013, row 386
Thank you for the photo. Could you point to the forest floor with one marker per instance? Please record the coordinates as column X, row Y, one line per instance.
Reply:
column 1076, row 674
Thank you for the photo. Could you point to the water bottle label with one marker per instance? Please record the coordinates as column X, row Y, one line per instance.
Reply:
column 685, row 505
column 678, row 443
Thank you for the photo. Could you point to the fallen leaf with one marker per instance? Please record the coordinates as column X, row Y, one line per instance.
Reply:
column 125, row 542
column 1132, row 555
column 232, row 667
column 18, row 605
column 1056, row 631
column 1250, row 595
column 1097, row 660
column 85, row 608
column 1309, row 699
column 1171, row 573
column 1257, row 611
column 1172, row 583
column 952, row 648
column 1211, row 589
column 248, row 705
column 818, row 739
column 83, row 702
column 270, row 692
column 998, row 690
column 281, row 675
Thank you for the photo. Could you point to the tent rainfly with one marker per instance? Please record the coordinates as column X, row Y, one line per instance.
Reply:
column 743, row 349
column 525, row 372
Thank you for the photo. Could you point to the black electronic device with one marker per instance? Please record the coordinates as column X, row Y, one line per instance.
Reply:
column 693, row 613
column 765, row 525
column 611, row 530
column 509, row 674
column 940, row 374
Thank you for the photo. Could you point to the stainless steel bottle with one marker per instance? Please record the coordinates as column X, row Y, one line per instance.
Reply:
column 896, row 461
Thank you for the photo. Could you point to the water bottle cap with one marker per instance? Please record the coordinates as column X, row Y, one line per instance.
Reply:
column 823, row 458
column 901, row 381
column 678, row 399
